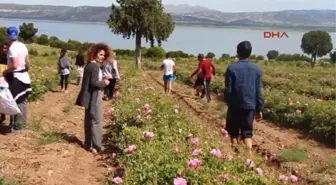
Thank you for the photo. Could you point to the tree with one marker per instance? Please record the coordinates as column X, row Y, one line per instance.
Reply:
column 141, row 19
column 316, row 43
column 43, row 40
column 27, row 31
column 210, row 55
column 272, row 54
column 260, row 57
column 333, row 57
column 225, row 56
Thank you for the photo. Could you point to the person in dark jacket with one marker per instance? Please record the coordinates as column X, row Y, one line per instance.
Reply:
column 80, row 63
column 91, row 96
column 243, row 95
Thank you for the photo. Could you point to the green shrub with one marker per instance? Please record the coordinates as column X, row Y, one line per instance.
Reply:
column 178, row 54
column 156, row 52
column 272, row 54
column 43, row 40
column 125, row 52
column 33, row 52
column 225, row 56
column 260, row 57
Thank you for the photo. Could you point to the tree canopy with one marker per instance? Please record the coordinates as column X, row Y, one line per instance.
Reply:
column 272, row 54
column 27, row 31
column 141, row 19
column 210, row 55
column 316, row 43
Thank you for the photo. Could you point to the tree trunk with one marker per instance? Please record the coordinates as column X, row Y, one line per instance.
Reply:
column 138, row 50
column 151, row 43
column 312, row 61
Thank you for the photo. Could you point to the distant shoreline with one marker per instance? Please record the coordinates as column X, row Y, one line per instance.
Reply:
column 205, row 25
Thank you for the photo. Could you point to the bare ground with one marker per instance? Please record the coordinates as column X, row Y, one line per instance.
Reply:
column 319, row 165
column 49, row 151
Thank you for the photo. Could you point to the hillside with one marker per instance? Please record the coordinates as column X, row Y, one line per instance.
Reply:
column 183, row 14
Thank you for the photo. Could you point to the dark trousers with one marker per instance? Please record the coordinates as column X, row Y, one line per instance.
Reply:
column 239, row 122
column 206, row 88
column 109, row 90
column 3, row 118
column 64, row 81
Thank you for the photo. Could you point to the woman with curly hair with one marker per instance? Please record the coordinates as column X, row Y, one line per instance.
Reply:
column 91, row 95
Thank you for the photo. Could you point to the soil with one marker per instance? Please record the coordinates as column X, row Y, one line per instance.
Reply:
column 59, row 161
column 269, row 139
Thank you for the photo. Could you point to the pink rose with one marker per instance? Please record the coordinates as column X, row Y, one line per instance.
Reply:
column 197, row 152
column 148, row 135
column 195, row 140
column 216, row 153
column 180, row 181
column 118, row 180
column 130, row 149
column 146, row 107
column 193, row 164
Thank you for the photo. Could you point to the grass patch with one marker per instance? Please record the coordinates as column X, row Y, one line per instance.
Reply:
column 37, row 125
column 329, row 167
column 293, row 155
column 5, row 181
column 52, row 137
column 67, row 108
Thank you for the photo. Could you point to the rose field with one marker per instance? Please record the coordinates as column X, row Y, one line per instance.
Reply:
column 295, row 95
column 155, row 139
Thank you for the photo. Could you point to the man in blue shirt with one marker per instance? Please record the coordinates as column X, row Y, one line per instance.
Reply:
column 243, row 95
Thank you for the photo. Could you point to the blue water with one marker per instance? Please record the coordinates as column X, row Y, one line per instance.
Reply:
column 189, row 39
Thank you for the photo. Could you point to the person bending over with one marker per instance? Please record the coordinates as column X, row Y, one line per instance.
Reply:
column 205, row 66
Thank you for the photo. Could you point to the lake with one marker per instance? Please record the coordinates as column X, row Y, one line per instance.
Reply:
column 190, row 39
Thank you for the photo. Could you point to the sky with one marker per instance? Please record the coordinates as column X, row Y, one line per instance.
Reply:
column 222, row 5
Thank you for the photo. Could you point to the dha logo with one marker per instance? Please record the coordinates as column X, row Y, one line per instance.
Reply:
column 268, row 35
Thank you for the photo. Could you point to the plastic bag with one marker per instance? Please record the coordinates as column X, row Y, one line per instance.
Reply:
column 3, row 82
column 7, row 104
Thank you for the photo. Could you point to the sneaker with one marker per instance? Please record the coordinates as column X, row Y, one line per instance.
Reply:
column 93, row 150
column 66, row 91
column 12, row 130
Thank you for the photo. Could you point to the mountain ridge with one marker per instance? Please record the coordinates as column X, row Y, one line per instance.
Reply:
column 182, row 14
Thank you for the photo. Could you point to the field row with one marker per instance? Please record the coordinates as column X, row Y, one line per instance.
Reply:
column 318, row 83
column 156, row 142
column 285, row 107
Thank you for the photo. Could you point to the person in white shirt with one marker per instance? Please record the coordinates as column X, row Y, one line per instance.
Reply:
column 168, row 66
column 110, row 72
column 18, row 78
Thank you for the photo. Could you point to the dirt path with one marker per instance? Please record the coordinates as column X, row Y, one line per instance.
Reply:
column 49, row 151
column 269, row 139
